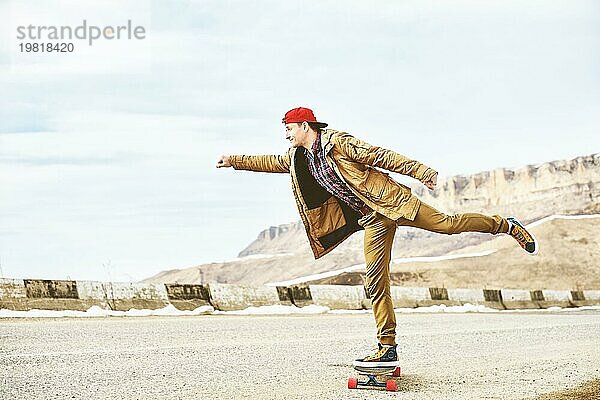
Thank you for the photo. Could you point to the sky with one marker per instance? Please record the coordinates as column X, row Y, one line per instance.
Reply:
column 107, row 153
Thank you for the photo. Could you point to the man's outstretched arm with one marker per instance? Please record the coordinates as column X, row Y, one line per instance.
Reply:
column 363, row 152
column 267, row 163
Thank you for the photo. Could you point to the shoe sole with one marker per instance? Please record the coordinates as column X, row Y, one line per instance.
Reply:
column 375, row 370
column 535, row 242
column 376, row 364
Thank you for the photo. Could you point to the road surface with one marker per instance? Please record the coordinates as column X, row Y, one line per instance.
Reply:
column 444, row 356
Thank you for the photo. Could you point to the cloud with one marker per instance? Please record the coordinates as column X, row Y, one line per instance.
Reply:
column 111, row 149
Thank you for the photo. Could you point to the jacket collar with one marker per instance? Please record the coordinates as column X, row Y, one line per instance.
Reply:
column 326, row 142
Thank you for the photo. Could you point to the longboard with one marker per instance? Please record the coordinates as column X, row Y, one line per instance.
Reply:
column 376, row 378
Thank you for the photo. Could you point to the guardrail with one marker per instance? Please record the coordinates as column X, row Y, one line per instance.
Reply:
column 27, row 294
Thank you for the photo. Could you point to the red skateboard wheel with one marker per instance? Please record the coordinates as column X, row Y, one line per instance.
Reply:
column 390, row 385
column 396, row 372
column 352, row 383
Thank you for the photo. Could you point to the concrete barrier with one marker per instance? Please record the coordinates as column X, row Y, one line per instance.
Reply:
column 123, row 296
column 300, row 295
column 493, row 298
column 592, row 295
column 407, row 297
column 340, row 297
column 52, row 294
column 587, row 298
column 188, row 296
column 577, row 298
column 228, row 297
column 285, row 295
column 490, row 299
column 27, row 294
column 12, row 294
column 91, row 290
column 437, row 296
column 50, row 289
column 514, row 299
column 92, row 293
column 555, row 298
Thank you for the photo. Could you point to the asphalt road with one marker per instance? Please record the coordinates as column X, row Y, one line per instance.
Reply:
column 444, row 356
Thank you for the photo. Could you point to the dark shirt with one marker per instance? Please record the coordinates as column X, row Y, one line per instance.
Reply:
column 327, row 178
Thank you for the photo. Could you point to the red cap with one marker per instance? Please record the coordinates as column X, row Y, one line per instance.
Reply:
column 300, row 115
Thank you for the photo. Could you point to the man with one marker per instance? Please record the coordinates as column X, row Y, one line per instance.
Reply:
column 340, row 189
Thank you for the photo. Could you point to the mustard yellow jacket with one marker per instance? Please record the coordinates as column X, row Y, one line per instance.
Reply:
column 327, row 220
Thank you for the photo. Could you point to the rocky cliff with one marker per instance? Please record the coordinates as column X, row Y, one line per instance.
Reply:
column 531, row 192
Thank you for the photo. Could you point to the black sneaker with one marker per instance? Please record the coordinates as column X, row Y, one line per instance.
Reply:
column 386, row 356
column 522, row 236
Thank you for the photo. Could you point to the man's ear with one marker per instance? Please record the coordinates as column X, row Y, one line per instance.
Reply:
column 305, row 126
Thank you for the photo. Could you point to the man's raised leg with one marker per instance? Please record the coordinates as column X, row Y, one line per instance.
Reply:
column 432, row 220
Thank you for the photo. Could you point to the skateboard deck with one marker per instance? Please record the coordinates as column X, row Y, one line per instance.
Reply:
column 375, row 378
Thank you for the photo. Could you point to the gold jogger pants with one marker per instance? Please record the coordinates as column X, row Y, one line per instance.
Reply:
column 379, row 238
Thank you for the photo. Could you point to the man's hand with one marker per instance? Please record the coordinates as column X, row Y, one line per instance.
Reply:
column 223, row 162
column 431, row 183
